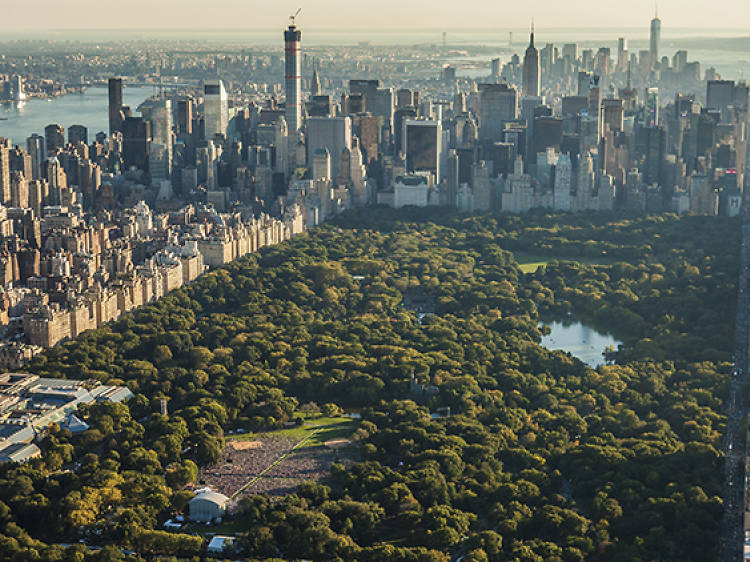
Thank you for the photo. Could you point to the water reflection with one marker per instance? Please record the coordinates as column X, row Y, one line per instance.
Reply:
column 579, row 340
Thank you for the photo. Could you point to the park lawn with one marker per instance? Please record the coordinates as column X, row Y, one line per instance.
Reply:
column 327, row 428
column 529, row 263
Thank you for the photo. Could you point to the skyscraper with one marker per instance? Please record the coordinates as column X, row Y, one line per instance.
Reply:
column 652, row 107
column 498, row 104
column 215, row 108
column 4, row 171
column 35, row 147
column 655, row 38
column 422, row 146
column 293, row 79
column 315, row 82
column 333, row 133
column 115, row 105
column 531, row 76
column 78, row 133
column 54, row 136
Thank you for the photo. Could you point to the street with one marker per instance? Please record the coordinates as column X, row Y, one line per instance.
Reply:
column 732, row 527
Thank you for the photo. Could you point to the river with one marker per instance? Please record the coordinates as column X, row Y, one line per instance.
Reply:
column 90, row 109
column 579, row 340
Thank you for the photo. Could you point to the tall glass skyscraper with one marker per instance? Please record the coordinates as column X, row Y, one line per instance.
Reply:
column 655, row 39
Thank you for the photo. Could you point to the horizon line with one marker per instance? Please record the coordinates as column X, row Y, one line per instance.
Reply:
column 372, row 29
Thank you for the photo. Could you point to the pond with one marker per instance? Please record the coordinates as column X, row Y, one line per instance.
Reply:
column 581, row 341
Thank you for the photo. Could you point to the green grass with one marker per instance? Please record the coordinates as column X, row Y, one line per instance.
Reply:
column 319, row 430
column 529, row 263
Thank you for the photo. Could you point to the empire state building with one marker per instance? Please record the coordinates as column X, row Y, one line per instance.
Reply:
column 531, row 74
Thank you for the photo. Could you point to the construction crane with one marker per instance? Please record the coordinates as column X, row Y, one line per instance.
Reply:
column 294, row 16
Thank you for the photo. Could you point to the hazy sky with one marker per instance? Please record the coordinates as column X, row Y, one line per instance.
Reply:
column 332, row 14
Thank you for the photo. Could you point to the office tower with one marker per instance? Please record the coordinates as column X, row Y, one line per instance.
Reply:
column 531, row 69
column 19, row 191
column 78, row 133
column 498, row 104
column 136, row 143
column 651, row 117
column 622, row 48
column 570, row 52
column 293, row 81
column 35, row 148
column 185, row 117
column 497, row 67
column 422, row 146
column 725, row 94
column 613, row 115
column 115, row 105
column 547, row 134
column 315, row 82
column 404, row 98
column 321, row 106
column 531, row 108
column 368, row 89
column 650, row 147
column 56, row 180
column 399, row 117
column 5, row 170
column 54, row 137
column 333, row 133
column 680, row 61
column 547, row 56
column 584, row 83
column 654, row 40
column 352, row 104
column 215, row 109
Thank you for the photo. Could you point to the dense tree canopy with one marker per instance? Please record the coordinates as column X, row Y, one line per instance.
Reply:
column 542, row 457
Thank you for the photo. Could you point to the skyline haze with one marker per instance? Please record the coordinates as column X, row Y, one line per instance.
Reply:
column 335, row 14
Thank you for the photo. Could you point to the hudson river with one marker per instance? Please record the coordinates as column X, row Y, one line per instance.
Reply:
column 89, row 109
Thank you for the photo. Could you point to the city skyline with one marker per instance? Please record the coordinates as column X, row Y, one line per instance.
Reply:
column 331, row 15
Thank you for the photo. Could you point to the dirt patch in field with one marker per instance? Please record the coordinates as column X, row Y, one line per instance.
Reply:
column 244, row 445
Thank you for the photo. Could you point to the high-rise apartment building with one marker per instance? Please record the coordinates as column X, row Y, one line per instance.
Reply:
column 78, row 133
column 54, row 137
column 293, row 79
